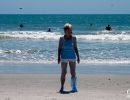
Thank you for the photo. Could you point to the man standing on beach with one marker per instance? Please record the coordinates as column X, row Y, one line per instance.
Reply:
column 67, row 52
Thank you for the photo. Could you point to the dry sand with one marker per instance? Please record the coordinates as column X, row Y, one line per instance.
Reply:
column 46, row 86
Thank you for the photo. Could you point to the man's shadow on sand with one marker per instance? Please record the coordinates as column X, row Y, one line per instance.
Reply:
column 66, row 92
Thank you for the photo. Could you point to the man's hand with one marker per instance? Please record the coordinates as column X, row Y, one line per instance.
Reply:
column 58, row 60
column 78, row 60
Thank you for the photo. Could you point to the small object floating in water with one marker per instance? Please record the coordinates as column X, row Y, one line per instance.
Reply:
column 18, row 52
column 21, row 25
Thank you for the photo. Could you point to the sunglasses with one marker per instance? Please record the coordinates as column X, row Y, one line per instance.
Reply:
column 67, row 28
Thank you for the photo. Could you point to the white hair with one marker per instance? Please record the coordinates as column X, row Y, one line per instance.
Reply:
column 68, row 25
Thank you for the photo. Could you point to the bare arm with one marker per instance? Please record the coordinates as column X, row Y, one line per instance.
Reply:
column 76, row 49
column 59, row 50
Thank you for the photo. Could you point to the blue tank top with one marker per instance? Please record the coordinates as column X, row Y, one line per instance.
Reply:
column 68, row 51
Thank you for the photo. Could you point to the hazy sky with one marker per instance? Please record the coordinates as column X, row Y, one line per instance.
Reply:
column 65, row 6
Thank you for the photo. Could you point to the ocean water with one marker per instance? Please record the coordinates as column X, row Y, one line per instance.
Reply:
column 33, row 44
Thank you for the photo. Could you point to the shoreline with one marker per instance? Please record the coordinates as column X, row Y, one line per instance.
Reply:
column 103, row 69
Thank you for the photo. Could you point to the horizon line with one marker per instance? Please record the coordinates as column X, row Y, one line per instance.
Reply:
column 65, row 14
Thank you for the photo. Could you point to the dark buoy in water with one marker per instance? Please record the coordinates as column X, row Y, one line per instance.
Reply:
column 21, row 25
column 91, row 24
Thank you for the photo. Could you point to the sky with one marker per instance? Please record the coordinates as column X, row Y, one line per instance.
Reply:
column 65, row 6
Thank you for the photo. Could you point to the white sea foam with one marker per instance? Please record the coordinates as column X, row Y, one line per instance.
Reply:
column 103, row 37
column 56, row 35
column 106, row 61
column 9, row 51
column 86, row 61
column 30, row 35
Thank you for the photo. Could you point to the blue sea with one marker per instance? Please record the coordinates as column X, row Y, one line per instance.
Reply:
column 33, row 44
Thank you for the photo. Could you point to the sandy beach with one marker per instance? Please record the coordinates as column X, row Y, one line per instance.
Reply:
column 46, row 87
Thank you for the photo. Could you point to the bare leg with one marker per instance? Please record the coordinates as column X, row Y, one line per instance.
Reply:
column 63, row 75
column 73, row 76
column 72, row 69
